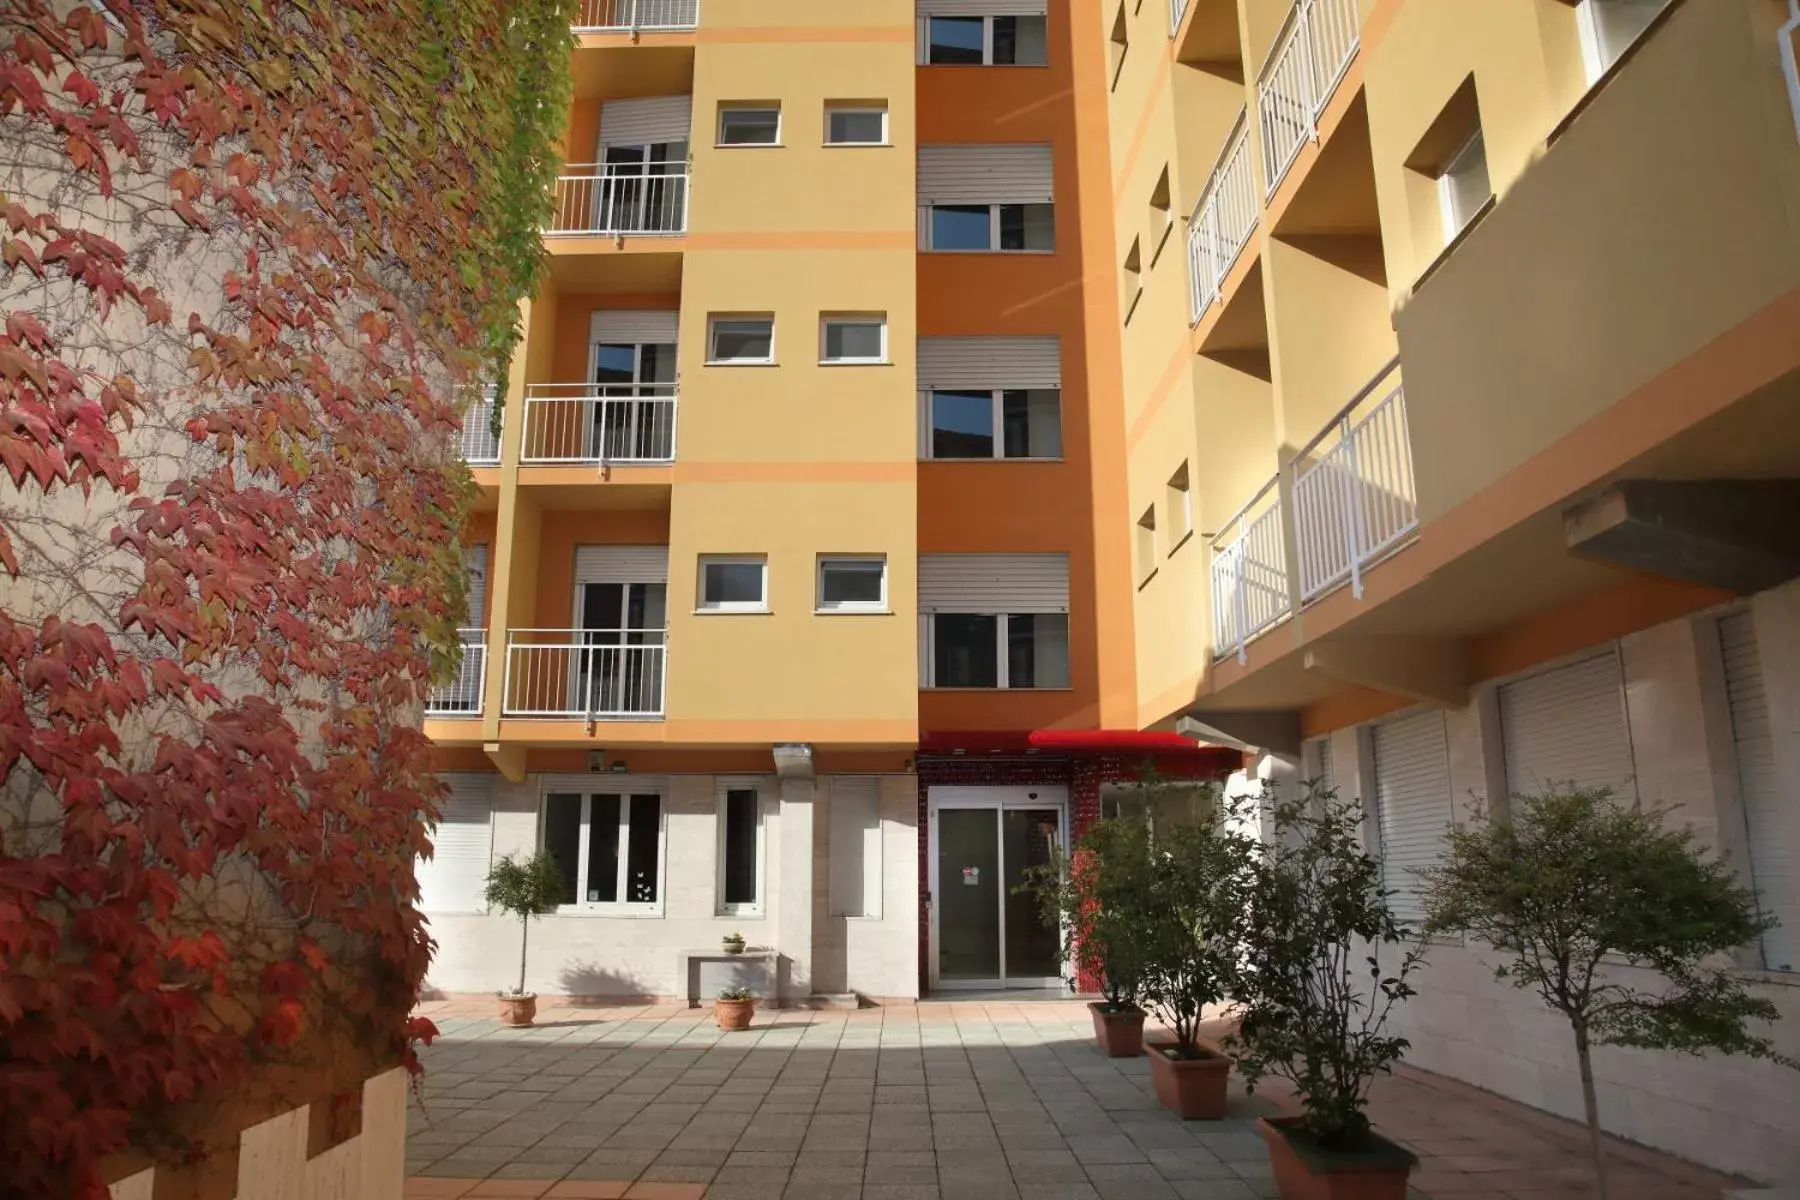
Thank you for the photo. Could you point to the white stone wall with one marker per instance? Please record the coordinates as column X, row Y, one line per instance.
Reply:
column 1733, row 1114
column 636, row 956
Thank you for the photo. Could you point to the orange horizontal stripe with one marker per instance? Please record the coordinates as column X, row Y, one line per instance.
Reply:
column 797, row 472
column 822, row 239
column 765, row 34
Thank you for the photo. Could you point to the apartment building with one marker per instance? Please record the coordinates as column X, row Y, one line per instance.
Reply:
column 1461, row 361
column 797, row 609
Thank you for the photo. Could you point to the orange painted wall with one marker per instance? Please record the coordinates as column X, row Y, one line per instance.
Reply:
column 1077, row 505
column 574, row 318
column 563, row 531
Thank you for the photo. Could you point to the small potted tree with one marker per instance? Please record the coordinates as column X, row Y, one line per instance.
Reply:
column 1569, row 880
column 529, row 889
column 1099, row 895
column 734, row 1008
column 1325, row 963
column 1191, row 942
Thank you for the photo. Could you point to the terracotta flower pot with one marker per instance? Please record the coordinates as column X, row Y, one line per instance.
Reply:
column 733, row 1014
column 1305, row 1170
column 518, row 1010
column 1191, row 1088
column 1118, row 1031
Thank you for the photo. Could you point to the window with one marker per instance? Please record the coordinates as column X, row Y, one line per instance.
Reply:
column 1015, row 41
column 853, row 584
column 608, row 847
column 1001, row 423
column 1162, row 215
column 1029, row 228
column 1118, row 43
column 997, row 650
column 1463, row 186
column 1132, row 279
column 856, row 125
column 740, row 340
column 853, row 339
column 736, row 584
column 760, row 126
column 1146, row 545
column 740, row 851
column 1609, row 27
column 855, row 835
column 1180, row 499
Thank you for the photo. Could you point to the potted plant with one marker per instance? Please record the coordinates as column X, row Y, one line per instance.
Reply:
column 1099, row 895
column 734, row 943
column 529, row 889
column 1557, row 886
column 1192, row 938
column 734, row 1008
column 1315, row 997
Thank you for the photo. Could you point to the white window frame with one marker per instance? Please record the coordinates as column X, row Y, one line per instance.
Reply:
column 854, row 606
column 730, row 606
column 987, row 39
column 753, row 908
column 1002, row 633
column 854, row 110
column 714, row 320
column 1455, row 220
column 827, row 320
column 1593, row 49
column 993, row 246
column 732, row 110
column 998, row 400
column 624, row 789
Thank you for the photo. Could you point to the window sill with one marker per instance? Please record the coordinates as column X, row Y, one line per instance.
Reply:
column 853, row 612
column 577, row 912
column 734, row 612
column 740, row 362
column 992, row 461
column 982, row 691
column 741, row 914
column 999, row 253
column 1605, row 77
column 747, row 146
column 858, row 145
column 856, row 362
column 986, row 66
column 1145, row 581
column 1181, row 541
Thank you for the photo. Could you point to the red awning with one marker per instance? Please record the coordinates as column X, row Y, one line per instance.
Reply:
column 1081, row 742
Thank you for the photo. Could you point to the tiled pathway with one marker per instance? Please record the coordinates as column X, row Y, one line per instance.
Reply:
column 940, row 1102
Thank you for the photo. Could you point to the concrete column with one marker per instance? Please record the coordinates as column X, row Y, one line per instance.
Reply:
column 794, row 910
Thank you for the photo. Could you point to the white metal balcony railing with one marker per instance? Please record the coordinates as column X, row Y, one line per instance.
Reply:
column 621, row 200
column 1249, row 573
column 479, row 445
column 1310, row 55
column 599, row 423
column 1354, row 502
column 464, row 695
column 1223, row 221
column 627, row 16
column 1177, row 10
column 586, row 674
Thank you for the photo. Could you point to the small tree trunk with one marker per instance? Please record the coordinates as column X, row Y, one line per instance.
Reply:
column 524, row 937
column 1584, row 1056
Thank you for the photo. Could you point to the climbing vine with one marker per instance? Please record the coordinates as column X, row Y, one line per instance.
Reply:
column 251, row 254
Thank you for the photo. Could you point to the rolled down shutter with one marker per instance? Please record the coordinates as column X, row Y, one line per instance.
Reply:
column 1769, row 813
column 621, row 564
column 645, row 121
column 475, row 566
column 632, row 328
column 1321, row 768
column 454, row 879
column 1412, row 804
column 1567, row 726
column 994, row 583
column 982, row 8
column 985, row 174
column 989, row 362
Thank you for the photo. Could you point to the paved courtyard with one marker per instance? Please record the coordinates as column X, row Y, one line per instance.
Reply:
column 975, row 1101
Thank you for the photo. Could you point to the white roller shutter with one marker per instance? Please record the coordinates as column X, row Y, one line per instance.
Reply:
column 1768, row 813
column 1568, row 726
column 982, row 8
column 989, row 362
column 475, row 566
column 1320, row 767
column 632, row 328
column 454, row 879
column 1412, row 804
column 856, row 852
column 621, row 564
column 645, row 121
column 994, row 583
column 984, row 174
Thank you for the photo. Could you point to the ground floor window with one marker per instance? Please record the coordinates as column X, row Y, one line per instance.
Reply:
column 607, row 845
column 740, row 851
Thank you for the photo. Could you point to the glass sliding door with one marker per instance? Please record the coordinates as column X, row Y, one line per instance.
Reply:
column 614, row 674
column 983, row 841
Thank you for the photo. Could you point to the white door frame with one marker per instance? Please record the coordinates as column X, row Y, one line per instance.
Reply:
column 995, row 799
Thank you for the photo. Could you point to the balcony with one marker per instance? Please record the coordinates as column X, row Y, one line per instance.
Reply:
column 603, row 424
column 1249, row 574
column 621, row 200
column 1223, row 221
column 465, row 693
column 1311, row 53
column 637, row 16
column 1177, row 10
column 586, row 674
column 480, row 443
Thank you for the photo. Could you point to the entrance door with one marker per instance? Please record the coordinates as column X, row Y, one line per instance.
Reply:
column 983, row 841
column 616, row 673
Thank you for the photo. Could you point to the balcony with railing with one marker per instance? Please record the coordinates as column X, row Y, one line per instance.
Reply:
column 570, row 424
column 1249, row 573
column 637, row 16
column 480, row 443
column 586, row 674
column 1307, row 62
column 1223, row 221
column 465, row 693
column 620, row 200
